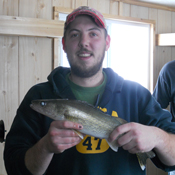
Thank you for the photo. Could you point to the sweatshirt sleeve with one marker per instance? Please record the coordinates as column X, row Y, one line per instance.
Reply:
column 25, row 131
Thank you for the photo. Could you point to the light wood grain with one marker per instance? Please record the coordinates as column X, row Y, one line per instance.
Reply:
column 79, row 3
column 8, row 85
column 146, row 4
column 35, row 9
column 22, row 26
column 165, row 39
column 9, row 7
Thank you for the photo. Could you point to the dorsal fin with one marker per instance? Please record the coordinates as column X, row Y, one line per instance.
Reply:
column 97, row 101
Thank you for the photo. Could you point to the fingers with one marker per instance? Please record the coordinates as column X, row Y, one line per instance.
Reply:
column 61, row 136
column 63, row 144
column 119, row 131
column 132, row 137
column 66, row 125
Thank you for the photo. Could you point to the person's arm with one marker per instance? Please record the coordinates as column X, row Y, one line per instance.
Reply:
column 59, row 138
column 162, row 91
column 141, row 138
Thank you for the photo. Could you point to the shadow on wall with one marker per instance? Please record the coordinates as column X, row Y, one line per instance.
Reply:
column 2, row 131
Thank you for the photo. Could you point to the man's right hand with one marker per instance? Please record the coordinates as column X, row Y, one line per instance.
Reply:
column 61, row 136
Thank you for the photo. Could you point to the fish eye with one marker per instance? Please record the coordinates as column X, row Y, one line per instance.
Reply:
column 43, row 103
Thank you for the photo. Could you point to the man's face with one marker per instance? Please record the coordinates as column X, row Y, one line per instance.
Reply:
column 85, row 45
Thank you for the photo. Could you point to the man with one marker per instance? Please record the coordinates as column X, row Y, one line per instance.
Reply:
column 164, row 91
column 38, row 145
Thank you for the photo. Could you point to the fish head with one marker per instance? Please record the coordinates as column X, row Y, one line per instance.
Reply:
column 48, row 108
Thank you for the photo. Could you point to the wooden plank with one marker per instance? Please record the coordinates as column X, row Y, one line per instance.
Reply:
column 35, row 62
column 21, row 26
column 146, row 4
column 111, row 16
column 126, row 9
column 165, row 39
column 79, row 3
column 35, row 9
column 114, row 8
column 62, row 9
column 9, row 7
column 101, row 5
column 35, row 53
column 153, row 16
column 56, row 46
column 128, row 19
column 62, row 3
column 164, row 21
column 153, row 51
column 8, row 74
column 173, row 23
column 138, row 11
column 8, row 85
column 120, row 8
column 163, row 54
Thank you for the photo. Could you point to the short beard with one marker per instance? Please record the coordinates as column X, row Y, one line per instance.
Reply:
column 86, row 73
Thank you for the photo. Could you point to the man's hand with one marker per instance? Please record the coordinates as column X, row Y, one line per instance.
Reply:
column 136, row 138
column 61, row 136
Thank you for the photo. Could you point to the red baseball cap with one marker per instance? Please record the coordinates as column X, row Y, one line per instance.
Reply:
column 85, row 10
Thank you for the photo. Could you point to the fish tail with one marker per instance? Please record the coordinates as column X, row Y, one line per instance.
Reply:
column 142, row 157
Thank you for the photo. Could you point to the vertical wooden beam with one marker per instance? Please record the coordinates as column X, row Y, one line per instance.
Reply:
column 55, row 43
column 114, row 9
column 8, row 74
column 56, row 61
column 120, row 8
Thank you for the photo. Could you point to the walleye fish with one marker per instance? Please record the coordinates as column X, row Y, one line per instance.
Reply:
column 95, row 122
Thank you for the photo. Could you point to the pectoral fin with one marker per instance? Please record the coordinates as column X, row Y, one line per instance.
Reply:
column 79, row 134
column 113, row 145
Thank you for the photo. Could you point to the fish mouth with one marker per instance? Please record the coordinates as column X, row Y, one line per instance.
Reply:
column 32, row 106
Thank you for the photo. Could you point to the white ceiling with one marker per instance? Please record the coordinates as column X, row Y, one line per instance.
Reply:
column 170, row 3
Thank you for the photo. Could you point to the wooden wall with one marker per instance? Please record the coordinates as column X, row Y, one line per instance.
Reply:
column 25, row 61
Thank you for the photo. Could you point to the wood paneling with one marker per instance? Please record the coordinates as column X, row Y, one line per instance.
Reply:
column 8, row 74
column 146, row 4
column 79, row 3
column 21, row 26
column 9, row 7
column 139, row 12
column 163, row 54
column 8, row 84
column 36, row 9
column 63, row 3
column 35, row 62
column 114, row 8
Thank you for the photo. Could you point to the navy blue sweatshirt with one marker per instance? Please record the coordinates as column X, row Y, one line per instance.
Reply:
column 122, row 98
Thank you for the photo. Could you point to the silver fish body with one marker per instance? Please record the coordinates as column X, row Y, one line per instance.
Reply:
column 95, row 122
